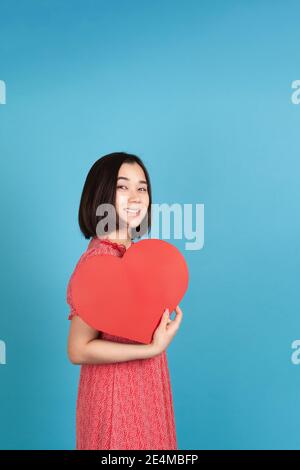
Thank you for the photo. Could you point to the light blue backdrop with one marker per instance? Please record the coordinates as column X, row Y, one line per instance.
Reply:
column 201, row 91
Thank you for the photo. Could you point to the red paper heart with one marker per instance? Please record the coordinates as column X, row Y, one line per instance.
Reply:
column 126, row 296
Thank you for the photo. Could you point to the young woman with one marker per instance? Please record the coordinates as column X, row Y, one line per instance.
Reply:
column 124, row 396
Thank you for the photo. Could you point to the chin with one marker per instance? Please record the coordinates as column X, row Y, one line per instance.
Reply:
column 134, row 221
column 129, row 223
column 133, row 224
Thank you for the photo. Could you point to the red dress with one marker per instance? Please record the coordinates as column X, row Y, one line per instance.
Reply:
column 124, row 405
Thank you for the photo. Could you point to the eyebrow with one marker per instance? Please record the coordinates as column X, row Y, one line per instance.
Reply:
column 124, row 178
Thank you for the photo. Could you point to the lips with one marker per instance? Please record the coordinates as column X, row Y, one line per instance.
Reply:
column 133, row 211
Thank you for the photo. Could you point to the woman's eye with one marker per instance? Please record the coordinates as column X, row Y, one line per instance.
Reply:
column 125, row 187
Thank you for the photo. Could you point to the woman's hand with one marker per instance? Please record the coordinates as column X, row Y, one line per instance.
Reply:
column 166, row 330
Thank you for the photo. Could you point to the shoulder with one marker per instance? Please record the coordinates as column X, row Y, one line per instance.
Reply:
column 98, row 248
column 94, row 251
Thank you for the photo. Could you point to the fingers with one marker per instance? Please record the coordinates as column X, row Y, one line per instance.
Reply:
column 179, row 315
column 178, row 311
column 166, row 320
column 165, row 316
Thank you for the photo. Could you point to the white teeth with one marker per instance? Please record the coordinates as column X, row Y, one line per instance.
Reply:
column 133, row 211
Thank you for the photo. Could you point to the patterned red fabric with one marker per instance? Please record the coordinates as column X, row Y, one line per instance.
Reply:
column 125, row 405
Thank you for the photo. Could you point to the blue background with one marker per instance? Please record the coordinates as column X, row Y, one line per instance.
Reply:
column 201, row 91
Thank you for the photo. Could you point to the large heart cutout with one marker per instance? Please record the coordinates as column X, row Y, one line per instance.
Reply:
column 126, row 296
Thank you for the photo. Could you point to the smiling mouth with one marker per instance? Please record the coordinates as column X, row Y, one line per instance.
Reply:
column 134, row 212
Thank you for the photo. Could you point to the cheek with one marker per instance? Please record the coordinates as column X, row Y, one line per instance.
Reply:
column 121, row 201
column 120, row 198
column 146, row 200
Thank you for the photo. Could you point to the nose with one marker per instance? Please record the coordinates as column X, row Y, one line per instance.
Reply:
column 134, row 196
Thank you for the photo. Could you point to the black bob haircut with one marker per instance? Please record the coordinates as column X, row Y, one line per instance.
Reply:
column 100, row 188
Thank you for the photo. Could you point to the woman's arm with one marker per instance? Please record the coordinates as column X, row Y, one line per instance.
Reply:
column 85, row 348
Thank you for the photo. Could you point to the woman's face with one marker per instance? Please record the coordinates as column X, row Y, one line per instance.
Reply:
column 132, row 198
